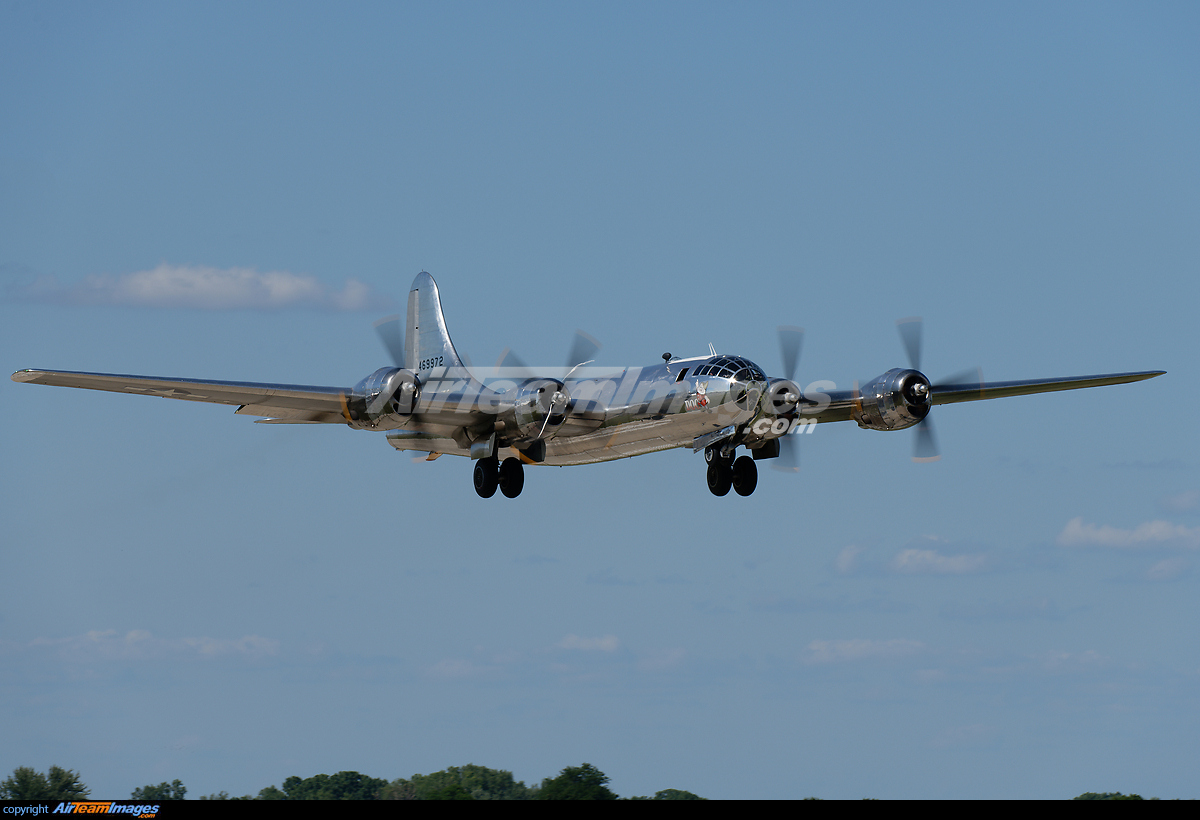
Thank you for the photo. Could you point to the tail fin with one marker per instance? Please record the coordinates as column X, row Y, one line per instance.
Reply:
column 427, row 342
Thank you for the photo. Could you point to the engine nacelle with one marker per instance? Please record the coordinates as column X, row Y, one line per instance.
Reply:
column 895, row 400
column 781, row 397
column 539, row 409
column 389, row 391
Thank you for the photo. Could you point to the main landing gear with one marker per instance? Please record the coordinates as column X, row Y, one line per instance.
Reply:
column 725, row 473
column 490, row 474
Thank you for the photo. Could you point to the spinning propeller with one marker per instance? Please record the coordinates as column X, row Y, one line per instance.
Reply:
column 559, row 403
column 925, row 444
column 392, row 335
column 583, row 351
column 791, row 340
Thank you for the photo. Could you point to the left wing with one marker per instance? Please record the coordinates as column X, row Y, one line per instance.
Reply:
column 846, row 405
column 954, row 393
column 280, row 403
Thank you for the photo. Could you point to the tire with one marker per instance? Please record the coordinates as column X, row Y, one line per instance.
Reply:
column 512, row 477
column 485, row 477
column 720, row 477
column 745, row 475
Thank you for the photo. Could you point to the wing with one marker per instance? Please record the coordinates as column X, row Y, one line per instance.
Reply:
column 954, row 393
column 281, row 403
column 839, row 404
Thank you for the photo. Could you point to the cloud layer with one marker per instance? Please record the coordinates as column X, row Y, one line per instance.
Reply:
column 932, row 562
column 858, row 649
column 140, row 644
column 1149, row 534
column 205, row 288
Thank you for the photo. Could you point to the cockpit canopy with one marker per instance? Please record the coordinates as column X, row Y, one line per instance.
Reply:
column 734, row 368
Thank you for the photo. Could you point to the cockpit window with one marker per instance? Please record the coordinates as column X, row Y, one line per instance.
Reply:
column 732, row 367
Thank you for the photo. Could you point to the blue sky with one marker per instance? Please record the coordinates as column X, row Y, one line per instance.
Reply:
column 189, row 595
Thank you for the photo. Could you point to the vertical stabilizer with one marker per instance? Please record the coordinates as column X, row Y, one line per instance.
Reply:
column 426, row 341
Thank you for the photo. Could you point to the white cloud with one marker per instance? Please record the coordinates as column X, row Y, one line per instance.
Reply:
column 662, row 659
column 847, row 559
column 1149, row 534
column 608, row 643
column 1169, row 569
column 1183, row 502
column 139, row 644
column 458, row 668
column 204, row 288
column 1059, row 660
column 858, row 649
column 246, row 645
column 932, row 562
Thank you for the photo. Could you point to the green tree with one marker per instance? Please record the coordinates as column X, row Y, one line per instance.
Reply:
column 1107, row 796
column 341, row 786
column 669, row 794
column 584, row 782
column 26, row 783
column 480, row 782
column 452, row 792
column 676, row 794
column 175, row 790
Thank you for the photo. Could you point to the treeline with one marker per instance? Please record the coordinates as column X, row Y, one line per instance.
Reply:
column 468, row 782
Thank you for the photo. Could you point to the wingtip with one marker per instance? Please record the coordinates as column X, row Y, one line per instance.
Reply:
column 24, row 375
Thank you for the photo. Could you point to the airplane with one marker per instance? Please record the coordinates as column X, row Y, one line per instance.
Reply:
column 507, row 417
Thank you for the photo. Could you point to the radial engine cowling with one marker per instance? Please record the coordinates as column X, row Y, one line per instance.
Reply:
column 389, row 391
column 895, row 400
column 540, row 408
column 782, row 396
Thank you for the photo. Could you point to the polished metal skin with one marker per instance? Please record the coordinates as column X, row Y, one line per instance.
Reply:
column 503, row 419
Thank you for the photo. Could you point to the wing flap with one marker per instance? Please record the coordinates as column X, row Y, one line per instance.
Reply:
column 426, row 442
column 288, row 415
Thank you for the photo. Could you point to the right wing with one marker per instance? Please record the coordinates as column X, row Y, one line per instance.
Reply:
column 280, row 403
